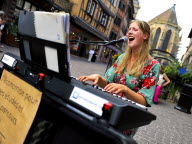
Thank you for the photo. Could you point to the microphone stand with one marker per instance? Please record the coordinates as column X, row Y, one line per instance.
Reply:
column 100, row 43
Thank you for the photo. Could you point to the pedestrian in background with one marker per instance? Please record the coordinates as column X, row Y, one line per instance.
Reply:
column 161, row 83
column 91, row 52
column 135, row 73
column 1, row 26
column 94, row 57
column 4, row 29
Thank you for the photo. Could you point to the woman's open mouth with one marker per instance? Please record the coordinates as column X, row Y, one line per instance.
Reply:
column 131, row 38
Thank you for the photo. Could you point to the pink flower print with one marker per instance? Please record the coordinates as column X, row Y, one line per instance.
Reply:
column 146, row 69
column 115, row 64
column 133, row 81
column 149, row 81
column 122, row 79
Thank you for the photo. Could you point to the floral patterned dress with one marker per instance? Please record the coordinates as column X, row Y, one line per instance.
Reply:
column 144, row 85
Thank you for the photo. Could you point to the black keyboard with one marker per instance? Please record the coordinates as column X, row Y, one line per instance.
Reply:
column 109, row 109
column 116, row 111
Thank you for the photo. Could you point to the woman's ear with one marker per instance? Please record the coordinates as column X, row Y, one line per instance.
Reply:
column 145, row 36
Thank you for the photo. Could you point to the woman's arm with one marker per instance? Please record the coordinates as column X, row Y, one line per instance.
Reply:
column 95, row 78
column 135, row 97
column 167, row 80
column 130, row 94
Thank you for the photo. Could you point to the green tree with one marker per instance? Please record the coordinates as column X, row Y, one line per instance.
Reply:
column 172, row 71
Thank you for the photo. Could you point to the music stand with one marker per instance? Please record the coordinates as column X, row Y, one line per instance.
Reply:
column 44, row 49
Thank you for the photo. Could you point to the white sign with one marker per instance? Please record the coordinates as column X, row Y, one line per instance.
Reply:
column 88, row 100
column 9, row 60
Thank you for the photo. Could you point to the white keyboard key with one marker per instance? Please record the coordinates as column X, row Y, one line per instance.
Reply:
column 142, row 106
column 124, row 98
column 103, row 90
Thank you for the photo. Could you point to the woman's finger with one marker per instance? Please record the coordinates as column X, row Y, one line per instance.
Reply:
column 95, row 82
column 80, row 78
column 108, row 86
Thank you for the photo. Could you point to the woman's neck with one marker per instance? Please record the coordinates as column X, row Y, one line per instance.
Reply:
column 134, row 55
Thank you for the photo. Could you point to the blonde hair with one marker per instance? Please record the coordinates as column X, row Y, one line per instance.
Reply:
column 143, row 53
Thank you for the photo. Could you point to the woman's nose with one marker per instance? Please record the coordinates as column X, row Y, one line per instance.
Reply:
column 129, row 31
column 127, row 34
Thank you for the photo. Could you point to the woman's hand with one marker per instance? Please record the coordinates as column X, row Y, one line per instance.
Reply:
column 94, row 78
column 128, row 93
column 116, row 88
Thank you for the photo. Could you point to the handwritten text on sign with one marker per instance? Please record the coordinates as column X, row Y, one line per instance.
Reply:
column 19, row 102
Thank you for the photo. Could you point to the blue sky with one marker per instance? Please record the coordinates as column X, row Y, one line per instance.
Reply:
column 151, row 8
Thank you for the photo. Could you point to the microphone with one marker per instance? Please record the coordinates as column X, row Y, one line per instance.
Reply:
column 123, row 39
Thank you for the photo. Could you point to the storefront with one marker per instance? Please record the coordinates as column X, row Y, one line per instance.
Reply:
column 78, row 31
column 80, row 38
column 80, row 46
column 12, row 8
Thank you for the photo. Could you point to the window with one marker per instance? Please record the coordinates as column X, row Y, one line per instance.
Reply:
column 20, row 3
column 112, row 36
column 27, row 6
column 117, row 21
column 103, row 18
column 33, row 8
column 166, row 40
column 111, row 1
column 91, row 7
column 156, row 38
column 121, row 6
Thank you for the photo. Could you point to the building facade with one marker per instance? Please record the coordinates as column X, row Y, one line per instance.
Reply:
column 187, row 57
column 12, row 7
column 122, row 20
column 165, row 32
column 8, row 6
column 91, row 20
column 125, row 14
column 136, row 7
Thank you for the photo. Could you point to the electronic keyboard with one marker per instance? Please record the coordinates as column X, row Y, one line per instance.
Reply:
column 116, row 111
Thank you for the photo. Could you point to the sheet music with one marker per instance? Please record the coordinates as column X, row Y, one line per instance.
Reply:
column 51, row 59
column 50, row 26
